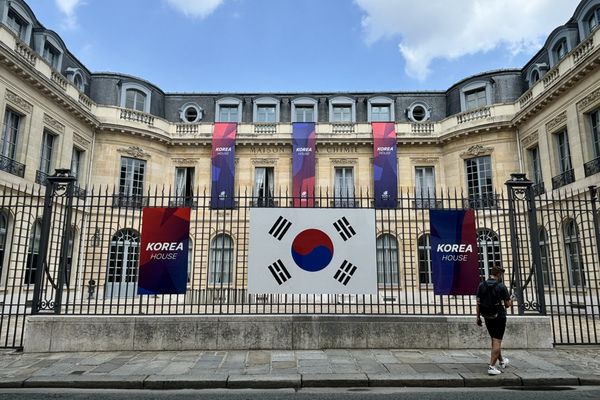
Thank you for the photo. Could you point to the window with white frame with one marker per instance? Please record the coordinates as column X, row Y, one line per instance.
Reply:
column 479, row 182
column 536, row 168
column 52, row 55
column 490, row 254
column 220, row 260
column 425, row 187
column 131, row 179
column 418, row 112
column 563, row 151
column 10, row 134
column 593, row 20
column 264, row 184
column 48, row 140
column 123, row 258
column 475, row 99
column 560, row 50
column 343, row 187
column 17, row 24
column 534, row 77
column 135, row 100
column 228, row 109
column 475, row 95
column 424, row 254
column 191, row 113
column 342, row 113
column 184, row 185
column 381, row 113
column 387, row 261
column 76, row 163
column 266, row 113
column 573, row 254
column 304, row 113
column 595, row 124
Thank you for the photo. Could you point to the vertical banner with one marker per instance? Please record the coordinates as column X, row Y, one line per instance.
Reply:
column 454, row 255
column 164, row 250
column 385, row 164
column 223, row 165
column 304, row 143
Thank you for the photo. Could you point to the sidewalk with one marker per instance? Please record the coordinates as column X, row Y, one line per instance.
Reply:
column 296, row 369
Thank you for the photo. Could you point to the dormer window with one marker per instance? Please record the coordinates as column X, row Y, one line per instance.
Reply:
column 593, row 20
column 381, row 109
column 191, row 113
column 135, row 100
column 266, row 110
column 342, row 110
column 75, row 76
column 135, row 97
column 475, row 95
column 229, row 109
column 561, row 50
column 535, row 76
column 17, row 24
column 304, row 110
column 52, row 55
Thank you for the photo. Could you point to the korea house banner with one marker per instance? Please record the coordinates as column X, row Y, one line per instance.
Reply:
column 385, row 164
column 454, row 255
column 223, row 165
column 304, row 142
column 312, row 251
column 164, row 250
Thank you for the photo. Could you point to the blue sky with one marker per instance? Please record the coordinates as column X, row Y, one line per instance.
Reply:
column 302, row 45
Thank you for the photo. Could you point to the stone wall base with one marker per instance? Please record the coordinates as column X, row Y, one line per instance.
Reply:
column 44, row 333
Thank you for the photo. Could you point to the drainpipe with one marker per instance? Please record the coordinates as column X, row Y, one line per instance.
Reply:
column 519, row 151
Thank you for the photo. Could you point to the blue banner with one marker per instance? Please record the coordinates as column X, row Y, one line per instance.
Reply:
column 385, row 163
column 454, row 255
column 223, row 165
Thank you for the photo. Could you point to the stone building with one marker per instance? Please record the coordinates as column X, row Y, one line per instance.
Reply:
column 116, row 130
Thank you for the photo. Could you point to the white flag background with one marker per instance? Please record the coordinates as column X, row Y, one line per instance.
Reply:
column 290, row 251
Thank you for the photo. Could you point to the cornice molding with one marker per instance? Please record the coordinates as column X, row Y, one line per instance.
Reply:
column 263, row 161
column 18, row 102
column 476, row 151
column 344, row 161
column 425, row 160
column 134, row 151
column 556, row 122
column 53, row 124
column 591, row 99
column 81, row 141
column 185, row 161
column 530, row 139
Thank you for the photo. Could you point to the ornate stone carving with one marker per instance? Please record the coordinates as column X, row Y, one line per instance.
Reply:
column 344, row 161
column 185, row 161
column 590, row 99
column 530, row 139
column 54, row 124
column 476, row 151
column 81, row 141
column 559, row 120
column 134, row 151
column 263, row 161
column 18, row 102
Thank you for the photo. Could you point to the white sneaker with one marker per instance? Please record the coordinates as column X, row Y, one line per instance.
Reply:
column 492, row 370
column 504, row 363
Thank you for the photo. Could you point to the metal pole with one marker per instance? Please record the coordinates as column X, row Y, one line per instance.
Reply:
column 534, row 238
column 596, row 217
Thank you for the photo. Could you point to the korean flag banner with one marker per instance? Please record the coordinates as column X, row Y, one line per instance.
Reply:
column 164, row 250
column 454, row 255
column 312, row 251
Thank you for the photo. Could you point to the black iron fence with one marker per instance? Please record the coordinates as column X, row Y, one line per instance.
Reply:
column 68, row 253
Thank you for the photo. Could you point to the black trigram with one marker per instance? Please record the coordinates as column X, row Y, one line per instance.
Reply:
column 280, row 228
column 280, row 273
column 345, row 272
column 344, row 228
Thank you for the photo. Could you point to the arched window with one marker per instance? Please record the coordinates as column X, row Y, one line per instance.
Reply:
column 545, row 256
column 424, row 253
column 135, row 100
column 220, row 260
column 489, row 251
column 387, row 261
column 3, row 230
column 593, row 20
column 573, row 253
column 32, row 253
column 123, row 263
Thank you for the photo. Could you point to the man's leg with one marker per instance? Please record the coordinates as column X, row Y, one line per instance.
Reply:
column 496, row 345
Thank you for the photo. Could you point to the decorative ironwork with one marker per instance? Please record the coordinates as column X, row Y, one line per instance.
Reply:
column 563, row 179
column 41, row 177
column 592, row 167
column 483, row 201
column 129, row 201
column 12, row 167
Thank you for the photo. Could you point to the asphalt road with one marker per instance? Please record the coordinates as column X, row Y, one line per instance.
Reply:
column 558, row 393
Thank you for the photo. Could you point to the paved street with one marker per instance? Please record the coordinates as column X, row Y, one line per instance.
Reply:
column 567, row 366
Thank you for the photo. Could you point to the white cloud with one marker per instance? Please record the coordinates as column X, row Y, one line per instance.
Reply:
column 67, row 7
column 196, row 8
column 442, row 29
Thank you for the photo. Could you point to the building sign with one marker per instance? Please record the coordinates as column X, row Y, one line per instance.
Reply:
column 312, row 251
column 454, row 255
column 385, row 164
column 223, row 165
column 304, row 147
column 164, row 250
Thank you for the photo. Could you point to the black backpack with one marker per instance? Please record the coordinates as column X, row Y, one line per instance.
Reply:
column 489, row 301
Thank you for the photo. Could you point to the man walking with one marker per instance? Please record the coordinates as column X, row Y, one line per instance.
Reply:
column 492, row 301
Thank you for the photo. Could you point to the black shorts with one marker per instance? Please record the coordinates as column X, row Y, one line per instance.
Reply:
column 496, row 327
